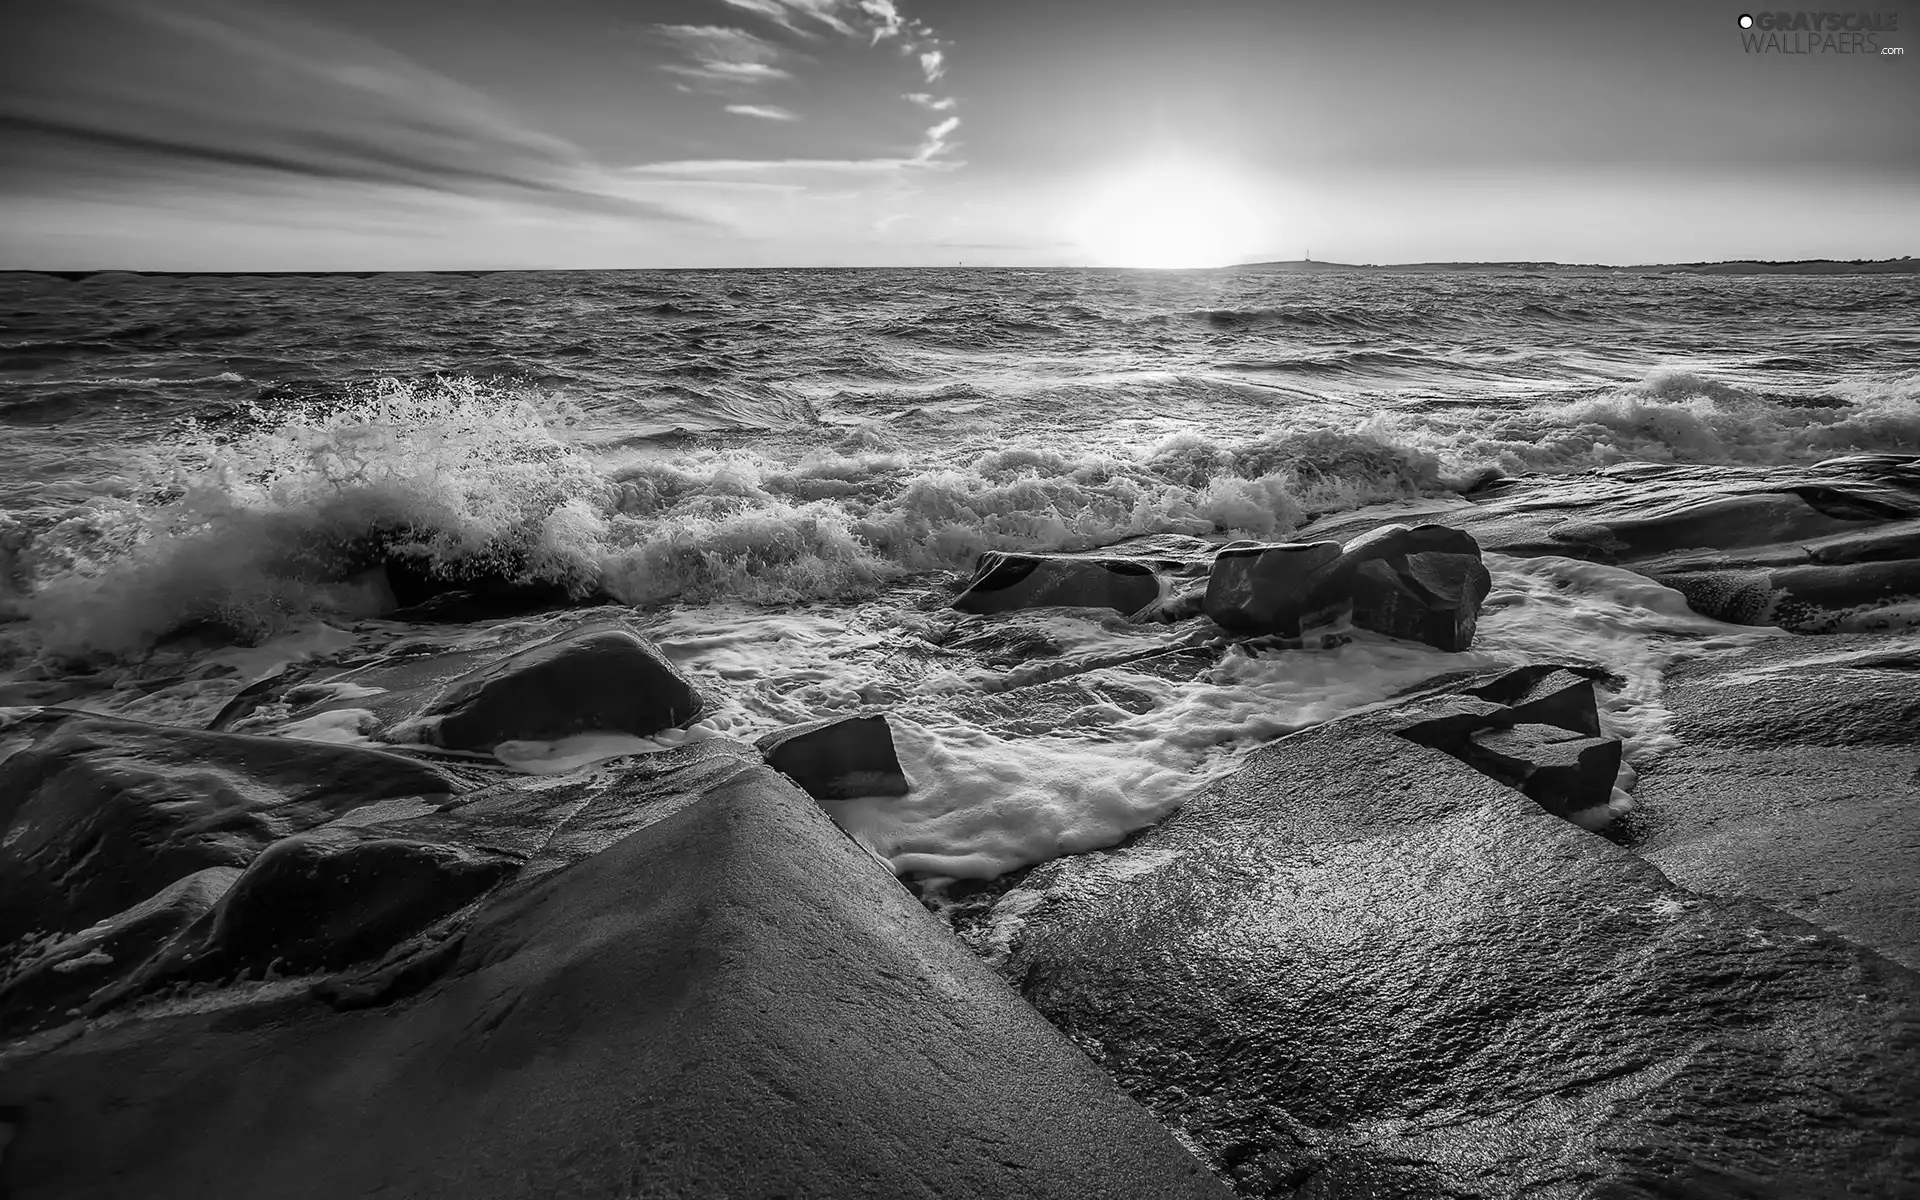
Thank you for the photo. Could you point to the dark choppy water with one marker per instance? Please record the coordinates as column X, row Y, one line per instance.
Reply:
column 707, row 444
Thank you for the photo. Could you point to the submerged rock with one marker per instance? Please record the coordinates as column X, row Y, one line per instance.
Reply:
column 838, row 759
column 599, row 678
column 735, row 1000
column 1360, row 967
column 1005, row 582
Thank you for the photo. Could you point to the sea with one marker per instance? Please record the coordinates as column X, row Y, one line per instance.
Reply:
column 781, row 477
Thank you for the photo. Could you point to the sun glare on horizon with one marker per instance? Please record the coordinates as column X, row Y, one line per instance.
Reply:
column 1170, row 215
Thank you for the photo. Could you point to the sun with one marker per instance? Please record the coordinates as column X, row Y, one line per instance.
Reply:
column 1169, row 214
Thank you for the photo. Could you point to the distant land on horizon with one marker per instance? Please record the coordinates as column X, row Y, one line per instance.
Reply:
column 1813, row 266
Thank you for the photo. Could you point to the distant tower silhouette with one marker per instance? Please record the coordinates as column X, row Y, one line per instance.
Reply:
column 1309, row 255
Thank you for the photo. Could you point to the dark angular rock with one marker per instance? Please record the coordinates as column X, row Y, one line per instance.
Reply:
column 737, row 1001
column 1004, row 582
column 837, row 759
column 1568, row 773
column 1359, row 968
column 1257, row 588
column 601, row 677
column 1547, row 694
column 1421, row 583
column 99, row 814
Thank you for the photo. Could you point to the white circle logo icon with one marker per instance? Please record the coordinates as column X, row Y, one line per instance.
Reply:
column 1746, row 22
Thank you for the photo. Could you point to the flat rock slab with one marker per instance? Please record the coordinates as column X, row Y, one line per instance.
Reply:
column 737, row 1001
column 1359, row 968
column 1796, row 781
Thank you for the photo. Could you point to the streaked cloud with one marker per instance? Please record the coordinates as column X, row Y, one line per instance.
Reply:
column 766, row 112
column 934, row 63
column 129, row 95
column 720, row 54
column 936, row 142
column 927, row 100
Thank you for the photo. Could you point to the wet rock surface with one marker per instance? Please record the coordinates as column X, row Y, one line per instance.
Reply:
column 1795, row 781
column 1359, row 967
column 737, row 1001
column 100, row 814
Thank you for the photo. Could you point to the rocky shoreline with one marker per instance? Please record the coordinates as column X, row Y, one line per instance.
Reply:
column 1416, row 950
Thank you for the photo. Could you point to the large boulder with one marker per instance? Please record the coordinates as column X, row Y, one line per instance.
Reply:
column 1005, row 582
column 1264, row 588
column 602, row 677
column 1420, row 583
column 837, row 759
column 99, row 814
column 735, row 1001
column 1360, row 967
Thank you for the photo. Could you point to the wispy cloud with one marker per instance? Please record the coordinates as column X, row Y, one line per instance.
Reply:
column 927, row 100
column 934, row 63
column 220, row 96
column 720, row 54
column 766, row 112
column 935, row 144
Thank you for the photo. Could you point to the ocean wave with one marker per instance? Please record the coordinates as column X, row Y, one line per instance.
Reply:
column 252, row 530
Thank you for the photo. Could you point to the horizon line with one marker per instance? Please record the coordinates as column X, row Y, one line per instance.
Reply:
column 1308, row 264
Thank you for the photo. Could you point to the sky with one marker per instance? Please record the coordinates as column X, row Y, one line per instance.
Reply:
column 496, row 134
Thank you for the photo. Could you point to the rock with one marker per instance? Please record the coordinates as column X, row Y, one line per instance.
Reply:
column 1358, row 967
column 99, row 814
column 1004, row 582
column 1264, row 588
column 837, row 759
column 1809, row 548
column 599, row 678
column 735, row 1001
column 49, row 983
column 1536, row 728
column 1567, row 773
column 1794, row 780
column 1547, row 693
column 324, row 900
column 1421, row 583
